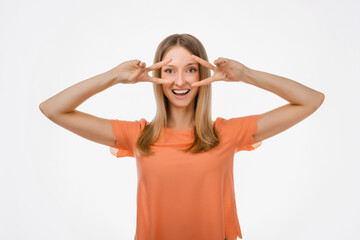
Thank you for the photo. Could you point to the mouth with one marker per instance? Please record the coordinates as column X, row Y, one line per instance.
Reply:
column 180, row 93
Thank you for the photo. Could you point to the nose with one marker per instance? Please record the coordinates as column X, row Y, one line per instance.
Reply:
column 180, row 80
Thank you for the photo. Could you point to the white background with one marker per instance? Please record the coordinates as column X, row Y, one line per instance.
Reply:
column 300, row 184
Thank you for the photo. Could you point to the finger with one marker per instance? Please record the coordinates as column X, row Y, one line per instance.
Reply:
column 217, row 61
column 159, row 80
column 142, row 64
column 140, row 70
column 220, row 62
column 158, row 65
column 136, row 74
column 203, row 62
column 203, row 82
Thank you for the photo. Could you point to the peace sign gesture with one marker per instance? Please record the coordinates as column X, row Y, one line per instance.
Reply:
column 225, row 70
column 134, row 71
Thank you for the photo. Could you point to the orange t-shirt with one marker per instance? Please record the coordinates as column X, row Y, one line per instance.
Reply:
column 185, row 195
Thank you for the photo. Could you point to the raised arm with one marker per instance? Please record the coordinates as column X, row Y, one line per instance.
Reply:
column 303, row 101
column 61, row 108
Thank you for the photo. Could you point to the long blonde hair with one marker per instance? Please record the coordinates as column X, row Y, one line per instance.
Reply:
column 205, row 135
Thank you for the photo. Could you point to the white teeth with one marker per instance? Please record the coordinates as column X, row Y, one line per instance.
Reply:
column 181, row 91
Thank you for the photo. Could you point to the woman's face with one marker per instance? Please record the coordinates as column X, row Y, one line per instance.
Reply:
column 182, row 71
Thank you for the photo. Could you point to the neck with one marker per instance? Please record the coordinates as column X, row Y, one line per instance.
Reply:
column 181, row 118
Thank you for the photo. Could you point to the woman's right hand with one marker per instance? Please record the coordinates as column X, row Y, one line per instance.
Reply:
column 134, row 71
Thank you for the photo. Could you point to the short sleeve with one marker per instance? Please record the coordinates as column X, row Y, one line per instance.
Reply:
column 126, row 133
column 242, row 130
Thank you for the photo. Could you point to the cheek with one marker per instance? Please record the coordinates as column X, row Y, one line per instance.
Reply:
column 166, row 90
column 192, row 79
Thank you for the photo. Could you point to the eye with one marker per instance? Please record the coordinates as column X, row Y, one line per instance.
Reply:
column 193, row 69
column 166, row 70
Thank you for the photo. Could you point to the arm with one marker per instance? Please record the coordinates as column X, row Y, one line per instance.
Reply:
column 303, row 101
column 60, row 109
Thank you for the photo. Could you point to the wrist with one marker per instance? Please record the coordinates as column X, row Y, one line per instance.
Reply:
column 248, row 75
column 113, row 77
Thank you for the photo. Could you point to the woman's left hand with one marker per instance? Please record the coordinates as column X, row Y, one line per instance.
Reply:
column 225, row 70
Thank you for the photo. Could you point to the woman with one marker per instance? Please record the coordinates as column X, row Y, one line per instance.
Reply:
column 184, row 159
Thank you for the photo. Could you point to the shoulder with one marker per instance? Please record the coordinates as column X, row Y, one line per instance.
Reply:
column 142, row 123
column 139, row 124
column 128, row 126
column 218, row 123
column 235, row 122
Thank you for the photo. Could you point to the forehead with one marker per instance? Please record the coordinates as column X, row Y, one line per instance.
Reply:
column 180, row 56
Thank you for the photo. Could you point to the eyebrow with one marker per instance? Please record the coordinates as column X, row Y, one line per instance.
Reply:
column 185, row 65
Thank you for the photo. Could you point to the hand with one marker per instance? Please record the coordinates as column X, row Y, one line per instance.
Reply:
column 134, row 71
column 225, row 70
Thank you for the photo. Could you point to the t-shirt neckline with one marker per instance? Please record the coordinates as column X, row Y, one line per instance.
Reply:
column 179, row 131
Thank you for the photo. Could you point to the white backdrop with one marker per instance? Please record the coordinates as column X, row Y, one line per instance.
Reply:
column 300, row 184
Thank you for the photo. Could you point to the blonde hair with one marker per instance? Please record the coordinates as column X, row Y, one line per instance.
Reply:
column 205, row 135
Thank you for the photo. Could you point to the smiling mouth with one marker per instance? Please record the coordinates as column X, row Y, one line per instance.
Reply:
column 181, row 93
